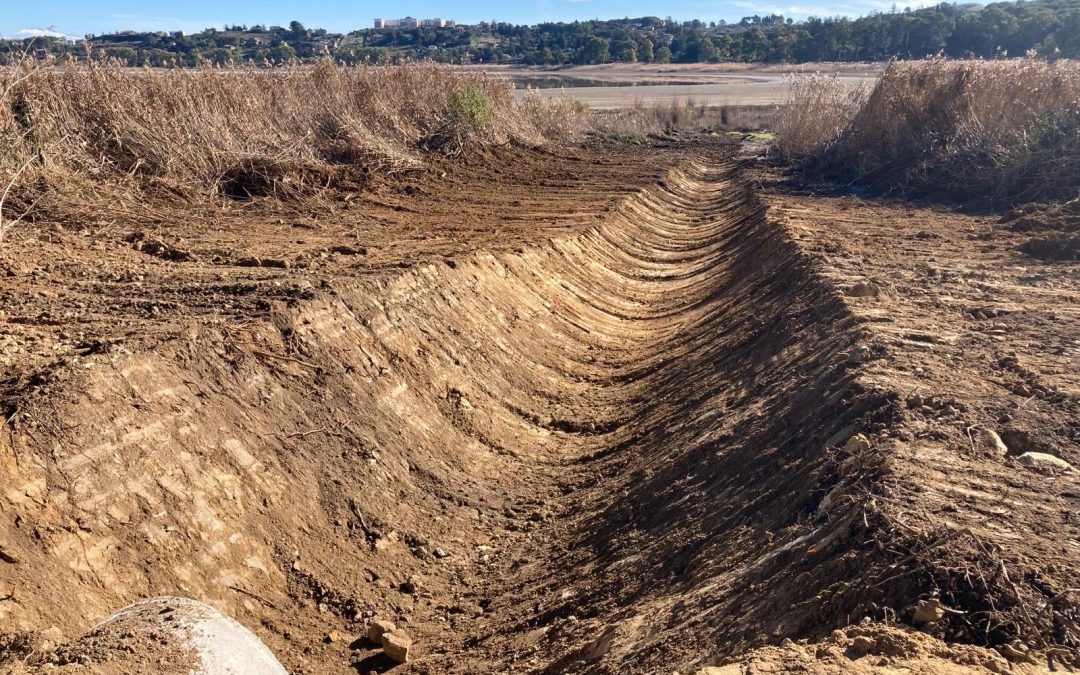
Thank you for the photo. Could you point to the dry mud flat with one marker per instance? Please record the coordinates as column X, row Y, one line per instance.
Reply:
column 611, row 410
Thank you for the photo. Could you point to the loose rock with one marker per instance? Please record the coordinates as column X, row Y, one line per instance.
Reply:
column 378, row 628
column 990, row 441
column 51, row 638
column 1042, row 460
column 864, row 289
column 8, row 557
column 927, row 611
column 396, row 646
column 862, row 645
column 857, row 443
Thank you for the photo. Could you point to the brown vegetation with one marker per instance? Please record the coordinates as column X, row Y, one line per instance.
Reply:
column 75, row 140
column 1004, row 130
column 236, row 132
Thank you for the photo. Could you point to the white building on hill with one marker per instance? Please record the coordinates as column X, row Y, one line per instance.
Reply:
column 410, row 22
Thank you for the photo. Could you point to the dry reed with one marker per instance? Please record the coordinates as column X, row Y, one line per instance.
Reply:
column 1004, row 130
column 81, row 139
column 815, row 113
column 237, row 132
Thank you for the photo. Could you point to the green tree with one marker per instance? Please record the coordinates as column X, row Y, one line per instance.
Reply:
column 219, row 56
column 125, row 55
column 593, row 50
column 645, row 50
column 624, row 50
column 282, row 53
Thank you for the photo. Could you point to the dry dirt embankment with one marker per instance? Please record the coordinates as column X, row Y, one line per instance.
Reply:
column 615, row 449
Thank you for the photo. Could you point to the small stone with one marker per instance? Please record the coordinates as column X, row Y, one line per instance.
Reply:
column 8, row 557
column 333, row 636
column 396, row 646
column 1042, row 460
column 989, row 440
column 440, row 553
column 927, row 611
column 859, row 354
column 378, row 628
column 411, row 585
column 864, row 289
column 857, row 443
column 862, row 645
column 52, row 637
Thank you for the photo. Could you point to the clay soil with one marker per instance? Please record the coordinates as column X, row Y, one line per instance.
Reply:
column 604, row 409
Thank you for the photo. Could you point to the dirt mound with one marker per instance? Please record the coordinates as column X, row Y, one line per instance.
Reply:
column 875, row 648
column 653, row 429
column 1058, row 247
column 1059, row 223
column 1052, row 216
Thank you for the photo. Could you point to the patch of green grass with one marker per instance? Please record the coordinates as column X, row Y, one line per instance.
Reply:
column 469, row 107
column 629, row 139
column 753, row 135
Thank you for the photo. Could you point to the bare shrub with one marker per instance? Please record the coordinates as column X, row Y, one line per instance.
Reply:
column 1004, row 130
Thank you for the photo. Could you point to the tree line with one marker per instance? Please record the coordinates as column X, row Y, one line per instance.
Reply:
column 1049, row 28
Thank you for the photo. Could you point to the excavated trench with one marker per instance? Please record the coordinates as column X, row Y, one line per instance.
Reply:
column 613, row 451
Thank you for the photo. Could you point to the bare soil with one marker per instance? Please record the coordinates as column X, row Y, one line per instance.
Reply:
column 610, row 409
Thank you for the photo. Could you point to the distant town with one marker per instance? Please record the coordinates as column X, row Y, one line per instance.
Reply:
column 1048, row 28
column 409, row 22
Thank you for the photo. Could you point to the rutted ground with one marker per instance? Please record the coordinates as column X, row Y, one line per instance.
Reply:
column 608, row 445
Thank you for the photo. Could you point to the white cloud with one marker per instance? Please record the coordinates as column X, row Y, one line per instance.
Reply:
column 40, row 32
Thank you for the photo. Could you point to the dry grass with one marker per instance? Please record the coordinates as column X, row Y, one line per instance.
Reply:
column 815, row 114
column 236, row 132
column 680, row 114
column 85, row 140
column 562, row 118
column 1004, row 130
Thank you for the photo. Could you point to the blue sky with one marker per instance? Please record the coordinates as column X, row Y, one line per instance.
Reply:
column 79, row 17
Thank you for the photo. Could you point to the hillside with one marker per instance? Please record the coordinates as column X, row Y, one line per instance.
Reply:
column 1049, row 28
